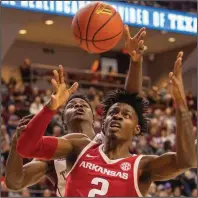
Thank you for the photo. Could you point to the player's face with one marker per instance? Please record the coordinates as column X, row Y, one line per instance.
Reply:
column 78, row 110
column 121, row 122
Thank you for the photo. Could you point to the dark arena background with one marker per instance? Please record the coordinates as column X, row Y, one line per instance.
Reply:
column 37, row 37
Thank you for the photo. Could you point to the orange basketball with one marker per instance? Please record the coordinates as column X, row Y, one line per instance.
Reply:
column 97, row 27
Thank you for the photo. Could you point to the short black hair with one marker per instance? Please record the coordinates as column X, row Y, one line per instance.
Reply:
column 139, row 104
column 73, row 96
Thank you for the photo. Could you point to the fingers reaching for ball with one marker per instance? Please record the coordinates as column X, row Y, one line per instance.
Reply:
column 135, row 46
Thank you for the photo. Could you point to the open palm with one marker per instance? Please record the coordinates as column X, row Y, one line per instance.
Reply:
column 61, row 93
column 176, row 82
column 134, row 46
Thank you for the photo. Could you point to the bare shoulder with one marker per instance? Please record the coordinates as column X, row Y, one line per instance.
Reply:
column 44, row 162
column 78, row 140
column 75, row 135
column 148, row 159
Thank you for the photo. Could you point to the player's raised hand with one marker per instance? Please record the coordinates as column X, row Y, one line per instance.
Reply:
column 61, row 92
column 135, row 46
column 176, row 83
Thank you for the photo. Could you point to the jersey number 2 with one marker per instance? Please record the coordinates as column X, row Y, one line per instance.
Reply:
column 104, row 187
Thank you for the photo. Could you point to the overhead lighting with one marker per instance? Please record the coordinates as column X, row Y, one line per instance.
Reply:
column 171, row 39
column 49, row 22
column 22, row 31
column 145, row 47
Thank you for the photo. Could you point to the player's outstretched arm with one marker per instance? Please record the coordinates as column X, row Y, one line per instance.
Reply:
column 135, row 49
column 19, row 176
column 171, row 165
column 32, row 143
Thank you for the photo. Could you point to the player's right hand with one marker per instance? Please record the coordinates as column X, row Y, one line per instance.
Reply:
column 176, row 83
column 135, row 45
column 61, row 93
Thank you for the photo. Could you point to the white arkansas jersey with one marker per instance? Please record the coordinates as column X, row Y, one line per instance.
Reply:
column 60, row 168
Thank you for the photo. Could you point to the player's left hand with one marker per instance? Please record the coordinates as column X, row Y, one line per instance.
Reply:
column 176, row 83
column 22, row 125
column 61, row 92
column 135, row 46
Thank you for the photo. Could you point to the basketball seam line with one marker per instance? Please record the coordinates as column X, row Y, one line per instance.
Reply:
column 103, row 26
column 88, row 25
column 93, row 42
column 78, row 28
column 97, row 41
column 109, row 39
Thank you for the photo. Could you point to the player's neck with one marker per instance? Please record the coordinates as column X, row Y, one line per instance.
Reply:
column 115, row 150
column 82, row 127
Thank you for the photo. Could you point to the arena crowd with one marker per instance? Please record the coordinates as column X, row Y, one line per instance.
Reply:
column 18, row 101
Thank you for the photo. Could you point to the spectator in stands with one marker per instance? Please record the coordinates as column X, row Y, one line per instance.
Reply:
column 12, row 83
column 4, row 88
column 111, row 74
column 40, row 187
column 47, row 95
column 25, row 70
column 143, row 147
column 25, row 192
column 152, row 190
column 91, row 93
column 169, row 119
column 194, row 193
column 18, row 94
column 33, row 94
column 166, row 147
column 12, row 119
column 168, row 189
column 36, row 106
column 47, row 193
column 4, row 190
column 163, row 193
column 4, row 134
column 20, row 99
column 95, row 73
column 57, row 132
column 5, row 148
column 177, row 192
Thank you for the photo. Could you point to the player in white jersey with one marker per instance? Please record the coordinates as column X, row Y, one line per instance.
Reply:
column 19, row 176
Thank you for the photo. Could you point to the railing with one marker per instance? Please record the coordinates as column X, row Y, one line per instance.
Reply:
column 85, row 77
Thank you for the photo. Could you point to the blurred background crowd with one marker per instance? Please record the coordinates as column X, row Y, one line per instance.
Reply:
column 18, row 101
column 47, row 40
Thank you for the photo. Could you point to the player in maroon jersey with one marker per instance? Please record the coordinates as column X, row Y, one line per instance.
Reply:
column 54, row 170
column 110, row 169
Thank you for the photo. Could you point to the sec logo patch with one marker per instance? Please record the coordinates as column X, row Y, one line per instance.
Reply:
column 125, row 166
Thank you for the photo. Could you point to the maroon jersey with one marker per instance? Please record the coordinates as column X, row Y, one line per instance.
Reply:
column 94, row 174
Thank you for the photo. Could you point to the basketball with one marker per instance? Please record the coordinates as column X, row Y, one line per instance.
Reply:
column 97, row 27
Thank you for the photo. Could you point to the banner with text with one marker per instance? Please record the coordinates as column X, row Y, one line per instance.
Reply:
column 133, row 15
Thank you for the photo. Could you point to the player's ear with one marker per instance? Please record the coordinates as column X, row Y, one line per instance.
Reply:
column 137, row 130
